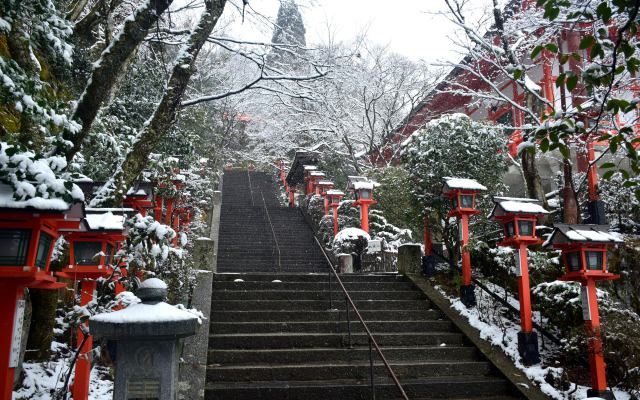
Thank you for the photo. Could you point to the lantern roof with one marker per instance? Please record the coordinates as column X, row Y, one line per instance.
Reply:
column 352, row 181
column 57, row 204
column 310, row 167
column 456, row 184
column 302, row 159
column 582, row 233
column 364, row 185
column 107, row 221
column 515, row 205
column 325, row 183
column 317, row 173
column 334, row 192
column 141, row 189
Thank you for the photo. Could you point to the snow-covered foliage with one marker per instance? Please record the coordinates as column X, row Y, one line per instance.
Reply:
column 350, row 240
column 31, row 180
column 454, row 146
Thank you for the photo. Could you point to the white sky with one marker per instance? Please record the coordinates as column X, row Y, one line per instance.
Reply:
column 410, row 27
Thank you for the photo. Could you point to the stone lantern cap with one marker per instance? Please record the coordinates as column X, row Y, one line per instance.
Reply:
column 582, row 233
column 515, row 205
column 152, row 318
column 461, row 184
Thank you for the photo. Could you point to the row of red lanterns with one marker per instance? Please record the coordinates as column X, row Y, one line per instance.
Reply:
column 583, row 252
column 27, row 239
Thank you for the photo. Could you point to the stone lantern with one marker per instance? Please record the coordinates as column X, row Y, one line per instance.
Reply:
column 28, row 232
column 147, row 337
column 584, row 256
column 518, row 218
column 91, row 256
column 335, row 196
column 462, row 193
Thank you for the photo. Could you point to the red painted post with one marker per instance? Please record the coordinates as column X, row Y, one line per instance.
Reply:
column 326, row 205
column 80, row 387
column 364, row 217
column 596, row 358
column 592, row 173
column 10, row 294
column 157, row 210
column 335, row 219
column 428, row 245
column 524, row 292
column 169, row 211
column 466, row 256
column 292, row 198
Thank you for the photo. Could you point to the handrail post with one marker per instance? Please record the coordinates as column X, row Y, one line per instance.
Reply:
column 250, row 189
column 373, row 387
column 346, row 303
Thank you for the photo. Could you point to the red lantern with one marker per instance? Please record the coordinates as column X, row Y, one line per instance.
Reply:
column 518, row 218
column 139, row 197
column 314, row 178
column 28, row 232
column 461, row 193
column 308, row 169
column 584, row 255
column 362, row 187
column 323, row 187
column 335, row 196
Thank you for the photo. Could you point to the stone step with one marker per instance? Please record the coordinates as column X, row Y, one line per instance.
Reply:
column 276, row 356
column 321, row 315
column 341, row 370
column 298, row 295
column 304, row 285
column 307, row 340
column 441, row 387
column 324, row 277
column 332, row 326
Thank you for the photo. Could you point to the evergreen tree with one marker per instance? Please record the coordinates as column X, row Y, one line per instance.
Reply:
column 290, row 31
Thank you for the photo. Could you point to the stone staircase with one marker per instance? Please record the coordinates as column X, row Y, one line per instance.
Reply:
column 275, row 335
column 246, row 242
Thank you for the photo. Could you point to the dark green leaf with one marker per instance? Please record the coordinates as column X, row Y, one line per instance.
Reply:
column 607, row 175
column 572, row 81
column 607, row 165
column 587, row 42
column 604, row 11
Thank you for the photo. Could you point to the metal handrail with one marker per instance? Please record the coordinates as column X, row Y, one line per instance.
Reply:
column 250, row 188
column 372, row 341
column 273, row 232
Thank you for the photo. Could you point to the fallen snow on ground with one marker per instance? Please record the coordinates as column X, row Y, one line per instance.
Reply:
column 506, row 337
column 43, row 380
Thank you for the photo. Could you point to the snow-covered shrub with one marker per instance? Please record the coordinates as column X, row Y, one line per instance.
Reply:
column 454, row 145
column 350, row 241
column 621, row 205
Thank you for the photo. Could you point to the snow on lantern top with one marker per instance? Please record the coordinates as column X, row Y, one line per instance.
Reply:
column 564, row 234
column 106, row 221
column 310, row 168
column 461, row 184
column 514, row 205
column 317, row 174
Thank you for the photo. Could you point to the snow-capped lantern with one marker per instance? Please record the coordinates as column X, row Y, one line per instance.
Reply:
column 334, row 197
column 321, row 188
column 584, row 255
column 91, row 255
column 139, row 197
column 29, row 229
column 462, row 194
column 584, row 250
column 362, row 188
column 308, row 169
column 314, row 178
column 518, row 218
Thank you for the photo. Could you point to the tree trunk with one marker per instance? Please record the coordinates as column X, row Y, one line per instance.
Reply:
column 44, row 305
column 165, row 113
column 106, row 72
column 532, row 177
column 570, row 211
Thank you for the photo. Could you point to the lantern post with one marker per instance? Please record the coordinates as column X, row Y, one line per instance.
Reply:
column 28, row 232
column 362, row 187
column 308, row 169
column 91, row 255
column 324, row 187
column 315, row 177
column 518, row 218
column 584, row 255
column 462, row 194
column 334, row 197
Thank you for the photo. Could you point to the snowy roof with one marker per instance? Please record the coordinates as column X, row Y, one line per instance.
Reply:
column 39, row 203
column 564, row 233
column 363, row 185
column 461, row 183
column 325, row 183
column 145, row 313
column 105, row 221
column 310, row 167
column 334, row 192
column 82, row 179
column 123, row 210
column 317, row 173
column 517, row 205
column 180, row 178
